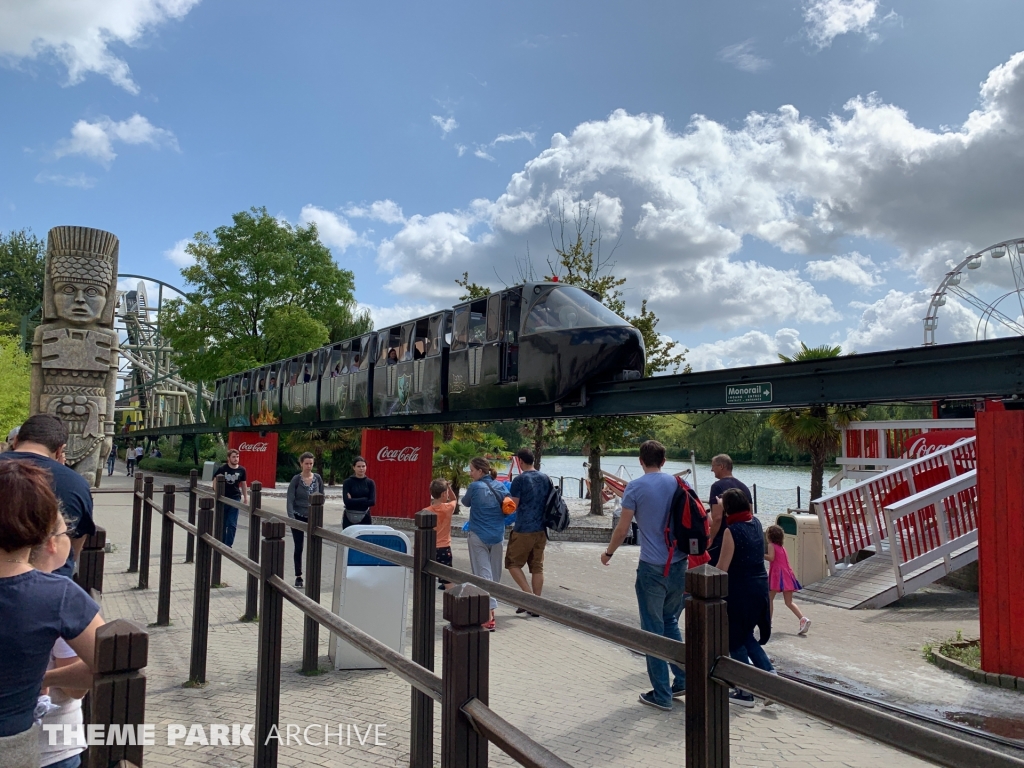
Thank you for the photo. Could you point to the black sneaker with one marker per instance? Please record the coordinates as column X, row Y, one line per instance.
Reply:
column 440, row 587
column 648, row 699
column 678, row 693
column 520, row 610
column 741, row 698
column 298, row 581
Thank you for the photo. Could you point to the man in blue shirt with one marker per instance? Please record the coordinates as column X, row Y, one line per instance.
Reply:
column 526, row 544
column 659, row 584
column 42, row 440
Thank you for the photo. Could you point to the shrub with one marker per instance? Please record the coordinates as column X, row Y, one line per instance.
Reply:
column 168, row 466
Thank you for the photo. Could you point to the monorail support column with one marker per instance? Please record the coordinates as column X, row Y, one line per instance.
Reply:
column 1000, row 452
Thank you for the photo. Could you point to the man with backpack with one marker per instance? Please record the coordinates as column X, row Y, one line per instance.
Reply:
column 661, row 572
column 530, row 491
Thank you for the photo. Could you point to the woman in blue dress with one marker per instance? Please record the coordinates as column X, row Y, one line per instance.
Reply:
column 748, row 604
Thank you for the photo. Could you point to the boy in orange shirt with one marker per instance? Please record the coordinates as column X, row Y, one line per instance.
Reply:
column 442, row 503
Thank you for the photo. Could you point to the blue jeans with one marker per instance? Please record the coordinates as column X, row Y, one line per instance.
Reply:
column 68, row 762
column 661, row 601
column 230, row 524
column 751, row 652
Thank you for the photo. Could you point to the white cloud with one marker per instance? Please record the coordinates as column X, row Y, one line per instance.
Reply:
column 482, row 154
column 387, row 211
column 460, row 149
column 896, row 321
column 751, row 348
column 79, row 180
column 853, row 268
column 334, row 230
column 685, row 201
column 385, row 316
column 178, row 255
column 446, row 124
column 96, row 140
column 508, row 137
column 828, row 19
column 742, row 56
column 80, row 33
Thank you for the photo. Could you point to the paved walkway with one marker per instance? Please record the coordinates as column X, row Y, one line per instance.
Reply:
column 575, row 694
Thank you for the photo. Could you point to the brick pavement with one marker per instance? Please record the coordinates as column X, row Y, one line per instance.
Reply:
column 577, row 696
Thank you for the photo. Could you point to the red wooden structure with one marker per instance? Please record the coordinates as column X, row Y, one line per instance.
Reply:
column 1000, row 448
column 400, row 462
column 258, row 454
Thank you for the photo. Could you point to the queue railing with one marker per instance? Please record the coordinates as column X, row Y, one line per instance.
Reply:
column 467, row 723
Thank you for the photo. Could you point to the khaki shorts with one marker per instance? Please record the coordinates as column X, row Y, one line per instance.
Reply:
column 526, row 548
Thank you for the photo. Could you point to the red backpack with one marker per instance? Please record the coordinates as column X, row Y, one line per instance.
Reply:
column 688, row 527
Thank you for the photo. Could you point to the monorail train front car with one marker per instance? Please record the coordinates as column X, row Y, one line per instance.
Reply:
column 531, row 344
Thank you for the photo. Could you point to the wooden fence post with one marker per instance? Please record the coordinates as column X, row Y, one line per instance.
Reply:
column 118, row 694
column 466, row 656
column 218, row 526
column 268, row 659
column 147, row 531
column 190, row 542
column 91, row 561
column 707, row 638
column 163, row 600
column 252, row 584
column 314, row 547
column 133, row 557
column 421, row 737
column 201, row 599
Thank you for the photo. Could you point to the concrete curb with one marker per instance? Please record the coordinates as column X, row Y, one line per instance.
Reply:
column 1008, row 682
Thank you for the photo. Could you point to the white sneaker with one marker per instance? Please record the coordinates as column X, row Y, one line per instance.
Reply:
column 805, row 624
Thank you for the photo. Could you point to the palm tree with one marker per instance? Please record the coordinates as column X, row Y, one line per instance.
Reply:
column 817, row 429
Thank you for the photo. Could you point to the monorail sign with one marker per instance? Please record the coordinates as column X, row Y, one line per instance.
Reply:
column 743, row 394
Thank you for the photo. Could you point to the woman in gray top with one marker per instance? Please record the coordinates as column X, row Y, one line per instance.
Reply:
column 302, row 486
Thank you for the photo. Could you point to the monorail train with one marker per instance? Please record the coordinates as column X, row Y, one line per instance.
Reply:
column 536, row 343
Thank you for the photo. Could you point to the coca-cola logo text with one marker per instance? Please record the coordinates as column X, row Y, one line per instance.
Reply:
column 398, row 454
column 932, row 442
column 253, row 447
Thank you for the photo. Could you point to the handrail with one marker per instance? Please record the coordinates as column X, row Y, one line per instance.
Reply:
column 182, row 523
column 621, row 634
column 509, row 739
column 240, row 560
column 911, row 738
column 933, row 495
column 959, row 444
column 420, row 678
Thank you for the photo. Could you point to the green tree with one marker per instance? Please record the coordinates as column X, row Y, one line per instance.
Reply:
column 22, row 263
column 581, row 263
column 14, row 384
column 261, row 290
column 818, row 429
column 333, row 449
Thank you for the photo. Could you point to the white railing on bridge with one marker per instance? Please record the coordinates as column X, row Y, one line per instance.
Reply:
column 854, row 519
column 933, row 527
column 869, row 447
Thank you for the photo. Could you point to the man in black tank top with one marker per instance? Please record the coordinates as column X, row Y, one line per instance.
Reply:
column 721, row 467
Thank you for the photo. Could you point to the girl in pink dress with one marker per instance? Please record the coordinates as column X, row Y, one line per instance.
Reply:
column 780, row 575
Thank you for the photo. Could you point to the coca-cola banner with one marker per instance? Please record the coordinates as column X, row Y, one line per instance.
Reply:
column 919, row 446
column 258, row 454
column 401, row 462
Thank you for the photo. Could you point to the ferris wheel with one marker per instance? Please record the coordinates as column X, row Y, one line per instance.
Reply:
column 1002, row 309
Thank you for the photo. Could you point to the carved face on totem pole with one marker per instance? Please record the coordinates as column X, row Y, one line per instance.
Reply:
column 75, row 355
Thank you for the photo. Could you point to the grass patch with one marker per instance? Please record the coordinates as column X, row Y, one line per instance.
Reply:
column 957, row 649
column 193, row 684
column 316, row 672
column 254, row 620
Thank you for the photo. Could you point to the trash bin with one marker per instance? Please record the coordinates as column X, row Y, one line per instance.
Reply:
column 371, row 594
column 209, row 467
column 804, row 545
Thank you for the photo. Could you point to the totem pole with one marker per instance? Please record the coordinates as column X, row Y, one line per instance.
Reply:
column 75, row 349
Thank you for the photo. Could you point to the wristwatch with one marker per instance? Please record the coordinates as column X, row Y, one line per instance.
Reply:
column 608, row 554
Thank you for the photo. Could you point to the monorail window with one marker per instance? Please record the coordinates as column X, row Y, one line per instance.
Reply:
column 477, row 322
column 261, row 379
column 421, row 343
column 388, row 343
column 362, row 353
column 235, row 383
column 405, row 347
column 493, row 316
column 460, row 334
column 245, row 383
column 272, row 377
column 568, row 307
column 294, row 368
column 434, row 335
column 337, row 360
column 309, row 368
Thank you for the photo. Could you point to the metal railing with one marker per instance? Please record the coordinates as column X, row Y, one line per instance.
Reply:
column 467, row 723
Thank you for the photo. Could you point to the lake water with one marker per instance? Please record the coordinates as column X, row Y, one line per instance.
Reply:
column 776, row 485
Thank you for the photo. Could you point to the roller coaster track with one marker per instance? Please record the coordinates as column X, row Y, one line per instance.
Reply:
column 977, row 369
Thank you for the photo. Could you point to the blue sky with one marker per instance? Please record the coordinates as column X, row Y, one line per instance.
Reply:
column 771, row 172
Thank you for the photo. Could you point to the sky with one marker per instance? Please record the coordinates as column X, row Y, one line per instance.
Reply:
column 763, row 173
